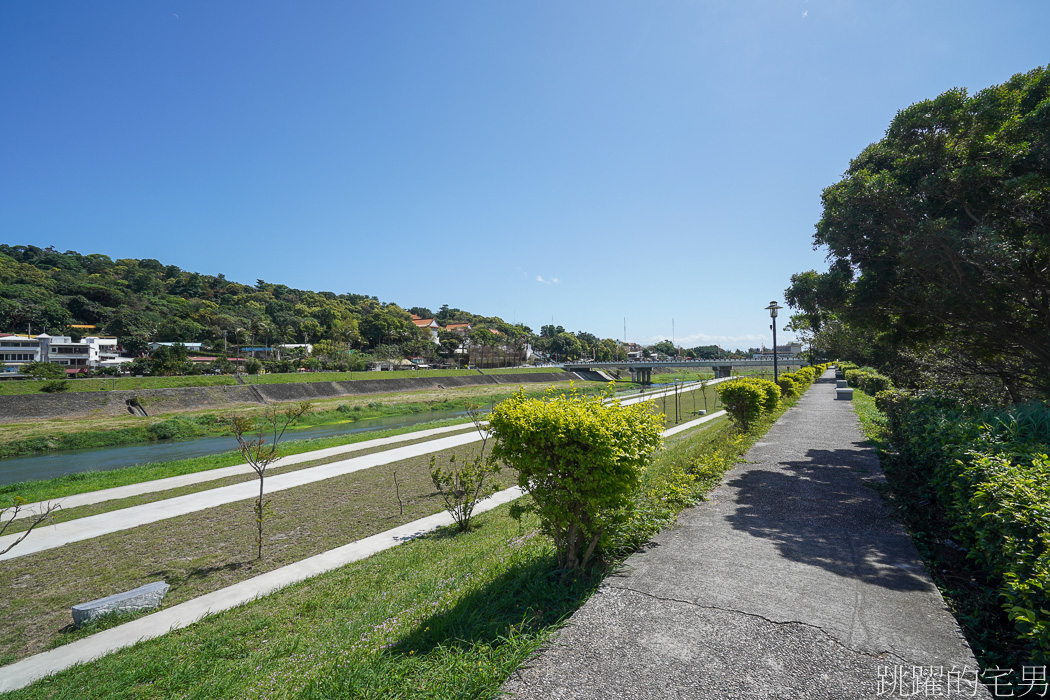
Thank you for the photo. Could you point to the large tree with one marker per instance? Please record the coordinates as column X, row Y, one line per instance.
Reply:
column 939, row 238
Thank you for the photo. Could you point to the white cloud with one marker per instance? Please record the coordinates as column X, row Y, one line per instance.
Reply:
column 551, row 280
column 805, row 14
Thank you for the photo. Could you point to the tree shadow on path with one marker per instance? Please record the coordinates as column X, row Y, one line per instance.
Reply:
column 823, row 511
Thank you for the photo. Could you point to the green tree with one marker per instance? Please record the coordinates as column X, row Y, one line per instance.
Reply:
column 665, row 347
column 566, row 346
column 43, row 370
column 579, row 459
column 168, row 360
column 939, row 237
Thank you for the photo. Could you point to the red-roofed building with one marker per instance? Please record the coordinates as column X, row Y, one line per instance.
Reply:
column 428, row 323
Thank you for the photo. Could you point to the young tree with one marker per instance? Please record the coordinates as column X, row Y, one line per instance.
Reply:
column 259, row 453
column 463, row 484
column 580, row 460
column 14, row 507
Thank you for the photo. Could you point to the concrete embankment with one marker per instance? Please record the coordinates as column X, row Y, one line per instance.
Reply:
column 29, row 407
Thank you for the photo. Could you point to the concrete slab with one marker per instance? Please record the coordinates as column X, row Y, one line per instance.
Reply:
column 792, row 581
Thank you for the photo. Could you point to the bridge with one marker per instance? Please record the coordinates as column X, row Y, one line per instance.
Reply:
column 642, row 370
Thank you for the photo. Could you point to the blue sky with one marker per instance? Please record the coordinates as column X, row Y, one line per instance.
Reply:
column 581, row 162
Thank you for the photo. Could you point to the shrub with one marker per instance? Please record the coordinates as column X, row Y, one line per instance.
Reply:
column 579, row 459
column 787, row 385
column 989, row 471
column 770, row 392
column 743, row 401
column 463, row 484
column 54, row 386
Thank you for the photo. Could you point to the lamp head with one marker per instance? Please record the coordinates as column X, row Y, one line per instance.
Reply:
column 773, row 308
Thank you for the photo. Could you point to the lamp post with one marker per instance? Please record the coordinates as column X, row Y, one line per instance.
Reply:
column 773, row 308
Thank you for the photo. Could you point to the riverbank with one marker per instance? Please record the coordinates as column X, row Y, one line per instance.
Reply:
column 149, row 402
column 473, row 579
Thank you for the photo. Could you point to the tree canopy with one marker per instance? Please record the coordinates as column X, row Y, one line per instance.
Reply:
column 939, row 241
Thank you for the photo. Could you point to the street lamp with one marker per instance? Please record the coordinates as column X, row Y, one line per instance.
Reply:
column 773, row 308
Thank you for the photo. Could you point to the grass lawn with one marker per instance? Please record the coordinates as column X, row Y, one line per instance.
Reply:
column 65, row 514
column 445, row 616
column 204, row 551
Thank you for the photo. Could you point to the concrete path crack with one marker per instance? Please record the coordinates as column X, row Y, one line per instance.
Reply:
column 823, row 631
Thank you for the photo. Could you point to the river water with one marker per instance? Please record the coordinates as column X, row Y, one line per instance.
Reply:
column 52, row 464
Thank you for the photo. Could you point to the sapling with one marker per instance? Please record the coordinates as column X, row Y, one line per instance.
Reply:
column 465, row 483
column 14, row 507
column 260, row 454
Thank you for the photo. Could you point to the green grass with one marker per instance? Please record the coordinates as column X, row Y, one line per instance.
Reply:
column 13, row 387
column 200, row 552
column 689, row 402
column 440, row 617
column 445, row 616
column 65, row 514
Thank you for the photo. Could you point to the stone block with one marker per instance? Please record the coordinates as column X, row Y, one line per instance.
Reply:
column 843, row 394
column 141, row 598
column 840, row 383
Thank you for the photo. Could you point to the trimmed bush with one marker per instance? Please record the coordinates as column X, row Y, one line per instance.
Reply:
column 579, row 459
column 988, row 469
column 787, row 385
column 743, row 401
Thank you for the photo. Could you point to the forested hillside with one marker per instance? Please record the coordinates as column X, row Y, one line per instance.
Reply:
column 144, row 300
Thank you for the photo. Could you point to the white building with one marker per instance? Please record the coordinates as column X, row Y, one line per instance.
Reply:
column 89, row 353
column 784, row 352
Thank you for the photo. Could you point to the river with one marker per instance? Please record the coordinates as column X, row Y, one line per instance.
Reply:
column 53, row 464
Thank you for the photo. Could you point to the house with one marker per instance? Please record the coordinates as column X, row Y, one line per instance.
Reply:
column 75, row 357
column 458, row 327
column 193, row 347
column 430, row 324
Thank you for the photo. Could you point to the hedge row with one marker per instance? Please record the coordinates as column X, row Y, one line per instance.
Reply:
column 867, row 379
column 795, row 383
column 989, row 471
column 747, row 398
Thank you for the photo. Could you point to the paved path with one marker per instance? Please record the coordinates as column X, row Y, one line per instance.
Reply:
column 792, row 581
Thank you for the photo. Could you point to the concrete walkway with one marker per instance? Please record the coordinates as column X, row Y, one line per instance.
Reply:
column 792, row 581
